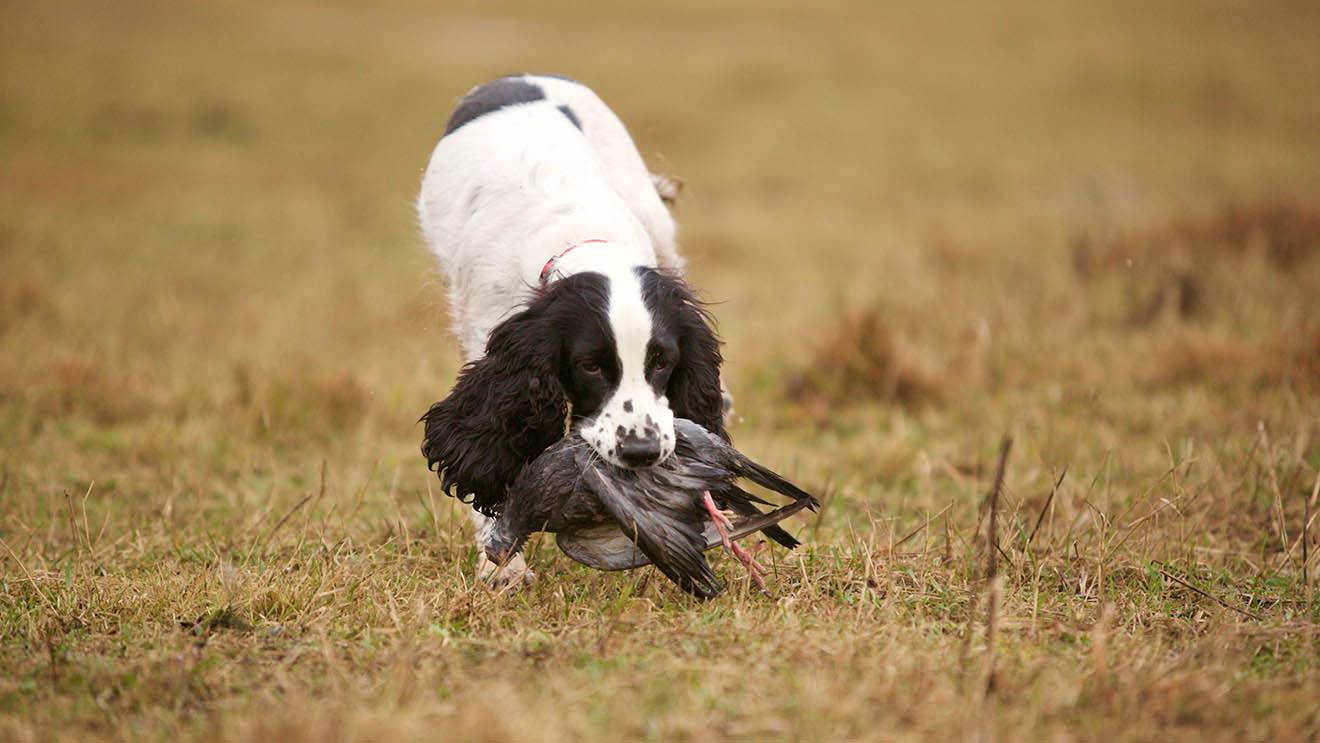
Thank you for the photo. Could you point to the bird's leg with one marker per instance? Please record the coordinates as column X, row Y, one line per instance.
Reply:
column 723, row 525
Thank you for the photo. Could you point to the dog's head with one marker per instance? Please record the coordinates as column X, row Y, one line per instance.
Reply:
column 622, row 352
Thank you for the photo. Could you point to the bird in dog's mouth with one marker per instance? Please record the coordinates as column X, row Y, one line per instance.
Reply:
column 611, row 518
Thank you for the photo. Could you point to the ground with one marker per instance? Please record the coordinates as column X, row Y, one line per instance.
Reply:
column 1091, row 227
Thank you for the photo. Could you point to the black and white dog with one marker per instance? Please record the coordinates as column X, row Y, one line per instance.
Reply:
column 566, row 293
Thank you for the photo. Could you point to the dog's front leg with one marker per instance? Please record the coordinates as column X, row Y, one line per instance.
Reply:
column 515, row 571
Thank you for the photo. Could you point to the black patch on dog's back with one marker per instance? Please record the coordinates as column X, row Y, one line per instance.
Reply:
column 498, row 94
column 565, row 110
column 493, row 96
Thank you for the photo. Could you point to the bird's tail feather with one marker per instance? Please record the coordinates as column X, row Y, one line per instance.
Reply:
column 766, row 523
column 767, row 478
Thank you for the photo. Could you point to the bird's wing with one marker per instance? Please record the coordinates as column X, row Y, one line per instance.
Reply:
column 675, row 546
column 696, row 444
column 692, row 475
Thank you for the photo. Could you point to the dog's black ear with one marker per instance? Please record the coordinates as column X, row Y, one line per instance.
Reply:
column 504, row 410
column 694, row 386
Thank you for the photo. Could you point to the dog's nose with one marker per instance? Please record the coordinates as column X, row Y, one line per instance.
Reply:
column 639, row 452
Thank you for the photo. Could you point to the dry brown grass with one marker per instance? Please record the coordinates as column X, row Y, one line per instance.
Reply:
column 1283, row 231
column 218, row 328
column 1172, row 263
column 860, row 359
column 1284, row 361
column 63, row 386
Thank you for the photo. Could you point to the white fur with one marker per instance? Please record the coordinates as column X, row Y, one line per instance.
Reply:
column 509, row 190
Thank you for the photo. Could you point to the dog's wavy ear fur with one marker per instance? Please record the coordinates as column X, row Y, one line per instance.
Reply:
column 504, row 410
column 694, row 386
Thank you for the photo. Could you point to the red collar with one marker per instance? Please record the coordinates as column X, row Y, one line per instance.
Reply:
column 549, row 266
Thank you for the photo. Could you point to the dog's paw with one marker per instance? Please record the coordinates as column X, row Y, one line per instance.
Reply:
column 515, row 573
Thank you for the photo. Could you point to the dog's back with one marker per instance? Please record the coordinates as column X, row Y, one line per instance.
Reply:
column 623, row 163
column 519, row 153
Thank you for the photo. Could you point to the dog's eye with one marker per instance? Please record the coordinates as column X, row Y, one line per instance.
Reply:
column 657, row 362
column 589, row 367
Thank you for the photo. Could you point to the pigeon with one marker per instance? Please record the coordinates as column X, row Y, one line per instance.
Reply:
column 611, row 518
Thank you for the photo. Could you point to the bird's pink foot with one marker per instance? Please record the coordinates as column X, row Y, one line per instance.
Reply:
column 723, row 526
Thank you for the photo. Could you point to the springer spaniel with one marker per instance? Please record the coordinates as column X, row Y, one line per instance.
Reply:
column 566, row 293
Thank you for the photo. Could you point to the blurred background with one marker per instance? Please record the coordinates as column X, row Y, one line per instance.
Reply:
column 201, row 200
column 1094, row 225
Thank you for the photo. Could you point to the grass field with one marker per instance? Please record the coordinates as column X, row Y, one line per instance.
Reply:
column 1094, row 227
